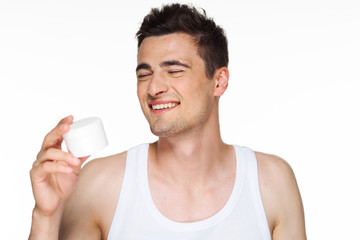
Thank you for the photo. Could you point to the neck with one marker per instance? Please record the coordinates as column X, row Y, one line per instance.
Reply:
column 192, row 158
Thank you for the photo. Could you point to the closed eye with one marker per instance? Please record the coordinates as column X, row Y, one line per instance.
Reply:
column 176, row 73
column 143, row 76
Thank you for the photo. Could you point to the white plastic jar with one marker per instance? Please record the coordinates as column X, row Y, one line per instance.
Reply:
column 85, row 137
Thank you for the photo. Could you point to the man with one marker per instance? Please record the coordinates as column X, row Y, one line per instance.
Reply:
column 187, row 185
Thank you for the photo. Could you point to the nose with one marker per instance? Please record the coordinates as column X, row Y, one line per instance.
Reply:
column 157, row 85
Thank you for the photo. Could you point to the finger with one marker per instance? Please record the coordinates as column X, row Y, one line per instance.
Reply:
column 82, row 160
column 54, row 154
column 55, row 137
column 46, row 168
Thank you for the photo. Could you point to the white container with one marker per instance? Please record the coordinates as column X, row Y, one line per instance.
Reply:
column 85, row 137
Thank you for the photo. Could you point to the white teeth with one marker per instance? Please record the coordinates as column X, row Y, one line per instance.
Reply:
column 163, row 106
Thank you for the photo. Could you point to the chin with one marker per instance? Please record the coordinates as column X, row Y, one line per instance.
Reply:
column 174, row 130
column 168, row 130
column 163, row 132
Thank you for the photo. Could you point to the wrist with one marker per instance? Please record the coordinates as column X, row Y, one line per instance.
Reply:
column 45, row 226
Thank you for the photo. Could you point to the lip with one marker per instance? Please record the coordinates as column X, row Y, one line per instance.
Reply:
column 157, row 102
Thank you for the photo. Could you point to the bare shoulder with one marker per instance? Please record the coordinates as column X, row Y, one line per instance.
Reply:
column 90, row 209
column 102, row 170
column 274, row 168
column 281, row 197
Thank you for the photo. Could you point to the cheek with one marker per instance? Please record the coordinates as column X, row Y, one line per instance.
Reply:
column 195, row 91
column 141, row 98
column 142, row 101
column 138, row 92
column 141, row 91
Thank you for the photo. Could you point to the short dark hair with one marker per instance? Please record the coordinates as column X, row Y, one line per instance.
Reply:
column 210, row 38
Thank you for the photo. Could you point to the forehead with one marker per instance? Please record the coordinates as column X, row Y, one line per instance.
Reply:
column 171, row 46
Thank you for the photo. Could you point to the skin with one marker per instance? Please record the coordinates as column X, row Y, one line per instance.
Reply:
column 190, row 167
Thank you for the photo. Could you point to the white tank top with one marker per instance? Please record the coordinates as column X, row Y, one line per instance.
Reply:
column 137, row 218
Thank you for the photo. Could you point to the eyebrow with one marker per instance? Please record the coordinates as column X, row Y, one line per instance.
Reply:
column 173, row 62
column 143, row 66
column 163, row 64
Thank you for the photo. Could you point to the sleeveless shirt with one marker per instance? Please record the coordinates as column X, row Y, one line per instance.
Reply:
column 137, row 217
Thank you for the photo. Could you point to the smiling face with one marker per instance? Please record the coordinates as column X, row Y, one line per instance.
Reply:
column 174, row 93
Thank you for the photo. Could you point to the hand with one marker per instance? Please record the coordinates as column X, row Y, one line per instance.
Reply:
column 54, row 173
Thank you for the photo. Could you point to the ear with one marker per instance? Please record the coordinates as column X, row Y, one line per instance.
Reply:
column 221, row 81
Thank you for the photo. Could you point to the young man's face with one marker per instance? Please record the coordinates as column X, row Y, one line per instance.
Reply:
column 173, row 90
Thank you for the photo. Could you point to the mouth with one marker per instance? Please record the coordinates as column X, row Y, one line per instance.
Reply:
column 158, row 106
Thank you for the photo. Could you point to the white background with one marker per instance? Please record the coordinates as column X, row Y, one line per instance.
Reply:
column 294, row 92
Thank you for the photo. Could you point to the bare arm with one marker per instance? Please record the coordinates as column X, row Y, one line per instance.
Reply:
column 89, row 211
column 73, row 202
column 53, row 177
column 281, row 197
column 79, row 219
